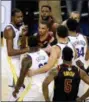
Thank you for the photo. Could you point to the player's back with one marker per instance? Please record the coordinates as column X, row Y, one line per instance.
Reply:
column 61, row 46
column 66, row 84
column 39, row 59
column 80, row 45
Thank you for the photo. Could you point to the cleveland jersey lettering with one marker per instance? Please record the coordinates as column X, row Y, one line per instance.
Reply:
column 66, row 82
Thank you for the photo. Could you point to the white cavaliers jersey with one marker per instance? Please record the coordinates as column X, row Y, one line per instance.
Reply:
column 62, row 46
column 39, row 59
column 80, row 45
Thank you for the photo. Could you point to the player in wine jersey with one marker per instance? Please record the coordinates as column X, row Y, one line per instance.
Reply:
column 80, row 44
column 35, row 59
column 66, row 79
column 45, row 37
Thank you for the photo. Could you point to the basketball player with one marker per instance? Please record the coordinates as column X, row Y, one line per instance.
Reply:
column 56, row 51
column 78, row 40
column 46, row 38
column 35, row 59
column 80, row 43
column 12, row 49
column 66, row 79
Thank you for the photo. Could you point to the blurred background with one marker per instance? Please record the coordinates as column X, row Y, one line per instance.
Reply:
column 60, row 8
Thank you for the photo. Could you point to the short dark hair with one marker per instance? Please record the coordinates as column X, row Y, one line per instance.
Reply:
column 49, row 7
column 72, row 24
column 32, row 41
column 62, row 31
column 67, row 53
column 45, row 23
column 14, row 11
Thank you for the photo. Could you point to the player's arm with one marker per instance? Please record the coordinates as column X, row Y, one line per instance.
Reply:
column 23, row 40
column 87, row 50
column 84, row 76
column 83, row 97
column 46, row 82
column 80, row 64
column 9, row 36
column 87, row 54
column 54, row 54
column 25, row 65
column 24, row 37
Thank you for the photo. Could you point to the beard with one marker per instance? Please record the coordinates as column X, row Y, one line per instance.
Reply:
column 46, row 18
column 19, row 24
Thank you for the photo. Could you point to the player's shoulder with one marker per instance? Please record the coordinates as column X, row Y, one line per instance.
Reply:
column 9, row 32
column 8, row 27
column 56, row 47
column 26, row 58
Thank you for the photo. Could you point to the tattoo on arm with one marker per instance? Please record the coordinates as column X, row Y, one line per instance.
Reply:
column 54, row 72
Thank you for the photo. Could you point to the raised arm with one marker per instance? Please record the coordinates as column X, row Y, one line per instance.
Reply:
column 46, row 82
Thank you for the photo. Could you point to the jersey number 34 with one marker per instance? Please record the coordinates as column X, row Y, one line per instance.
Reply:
column 80, row 51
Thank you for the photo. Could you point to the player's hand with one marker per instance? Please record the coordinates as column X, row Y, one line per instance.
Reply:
column 24, row 29
column 31, row 73
column 14, row 94
column 79, row 63
column 47, row 49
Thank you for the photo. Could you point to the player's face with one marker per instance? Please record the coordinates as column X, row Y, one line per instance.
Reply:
column 75, row 16
column 45, row 13
column 43, row 29
column 18, row 18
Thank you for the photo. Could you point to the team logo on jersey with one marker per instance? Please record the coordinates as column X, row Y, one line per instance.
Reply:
column 40, row 58
column 69, row 73
column 80, row 42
